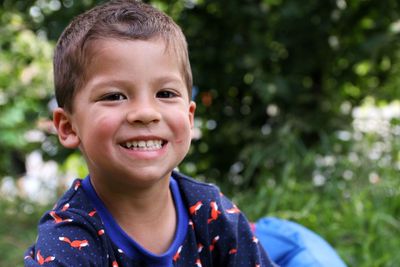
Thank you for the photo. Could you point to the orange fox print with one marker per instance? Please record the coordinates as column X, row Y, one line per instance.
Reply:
column 191, row 224
column 233, row 210
column 58, row 219
column 232, row 251
column 214, row 212
column 65, row 207
column 76, row 243
column 193, row 209
column 177, row 254
column 198, row 263
column 77, row 185
column 213, row 242
column 92, row 213
column 199, row 247
column 42, row 260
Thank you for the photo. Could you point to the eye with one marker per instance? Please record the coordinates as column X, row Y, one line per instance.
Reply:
column 166, row 94
column 113, row 97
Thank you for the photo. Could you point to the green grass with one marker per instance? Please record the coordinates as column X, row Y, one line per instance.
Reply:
column 18, row 221
column 360, row 220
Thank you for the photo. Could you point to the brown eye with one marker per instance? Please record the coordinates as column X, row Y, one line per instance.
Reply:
column 113, row 97
column 166, row 94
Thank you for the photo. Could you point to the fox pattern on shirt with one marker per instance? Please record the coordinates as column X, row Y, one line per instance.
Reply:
column 218, row 234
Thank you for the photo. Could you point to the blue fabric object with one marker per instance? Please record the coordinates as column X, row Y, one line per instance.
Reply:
column 292, row 245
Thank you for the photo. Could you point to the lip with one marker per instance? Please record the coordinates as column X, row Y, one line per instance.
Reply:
column 143, row 138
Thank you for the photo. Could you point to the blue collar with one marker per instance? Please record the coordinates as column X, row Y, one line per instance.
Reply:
column 126, row 243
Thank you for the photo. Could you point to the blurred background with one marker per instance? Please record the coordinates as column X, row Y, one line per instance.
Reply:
column 298, row 115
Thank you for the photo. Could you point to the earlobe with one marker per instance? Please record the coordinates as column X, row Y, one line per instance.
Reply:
column 66, row 133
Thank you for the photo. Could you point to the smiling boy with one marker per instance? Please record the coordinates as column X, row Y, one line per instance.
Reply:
column 123, row 85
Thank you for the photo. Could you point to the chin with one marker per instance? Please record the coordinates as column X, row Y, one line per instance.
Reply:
column 148, row 178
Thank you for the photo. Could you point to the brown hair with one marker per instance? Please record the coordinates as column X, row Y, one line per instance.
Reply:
column 117, row 19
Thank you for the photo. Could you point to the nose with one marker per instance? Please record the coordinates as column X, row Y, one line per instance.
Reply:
column 143, row 112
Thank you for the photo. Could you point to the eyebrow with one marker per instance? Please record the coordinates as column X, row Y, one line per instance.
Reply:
column 170, row 78
column 105, row 81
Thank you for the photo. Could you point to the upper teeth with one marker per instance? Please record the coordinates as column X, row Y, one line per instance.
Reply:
column 144, row 144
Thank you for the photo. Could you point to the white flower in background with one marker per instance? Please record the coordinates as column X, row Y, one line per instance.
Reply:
column 370, row 118
column 344, row 135
column 318, row 179
column 374, row 178
column 325, row 161
column 41, row 180
column 8, row 188
column 272, row 110
column 39, row 184
column 348, row 175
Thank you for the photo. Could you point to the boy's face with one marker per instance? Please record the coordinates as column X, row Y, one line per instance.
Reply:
column 132, row 119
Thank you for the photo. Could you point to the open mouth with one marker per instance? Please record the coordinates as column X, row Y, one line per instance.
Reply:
column 145, row 145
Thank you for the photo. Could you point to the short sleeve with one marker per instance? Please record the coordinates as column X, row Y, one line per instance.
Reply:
column 67, row 239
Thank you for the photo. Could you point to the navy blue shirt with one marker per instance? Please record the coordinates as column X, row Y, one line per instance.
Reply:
column 211, row 231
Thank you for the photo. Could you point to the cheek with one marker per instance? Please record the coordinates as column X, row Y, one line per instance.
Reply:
column 180, row 124
column 101, row 127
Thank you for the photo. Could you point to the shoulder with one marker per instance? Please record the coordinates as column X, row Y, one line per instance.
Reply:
column 209, row 195
column 70, row 233
column 73, row 208
column 209, row 210
column 195, row 189
column 219, row 226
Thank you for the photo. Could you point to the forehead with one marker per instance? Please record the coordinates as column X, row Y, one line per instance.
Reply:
column 109, row 49
column 130, row 52
column 133, row 60
column 97, row 47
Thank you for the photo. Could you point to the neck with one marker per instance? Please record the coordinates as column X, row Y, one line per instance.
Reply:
column 148, row 216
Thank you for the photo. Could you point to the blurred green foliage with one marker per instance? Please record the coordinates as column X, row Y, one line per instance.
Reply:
column 25, row 88
column 275, row 84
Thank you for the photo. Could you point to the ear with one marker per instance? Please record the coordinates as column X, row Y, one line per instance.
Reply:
column 192, row 109
column 65, row 130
